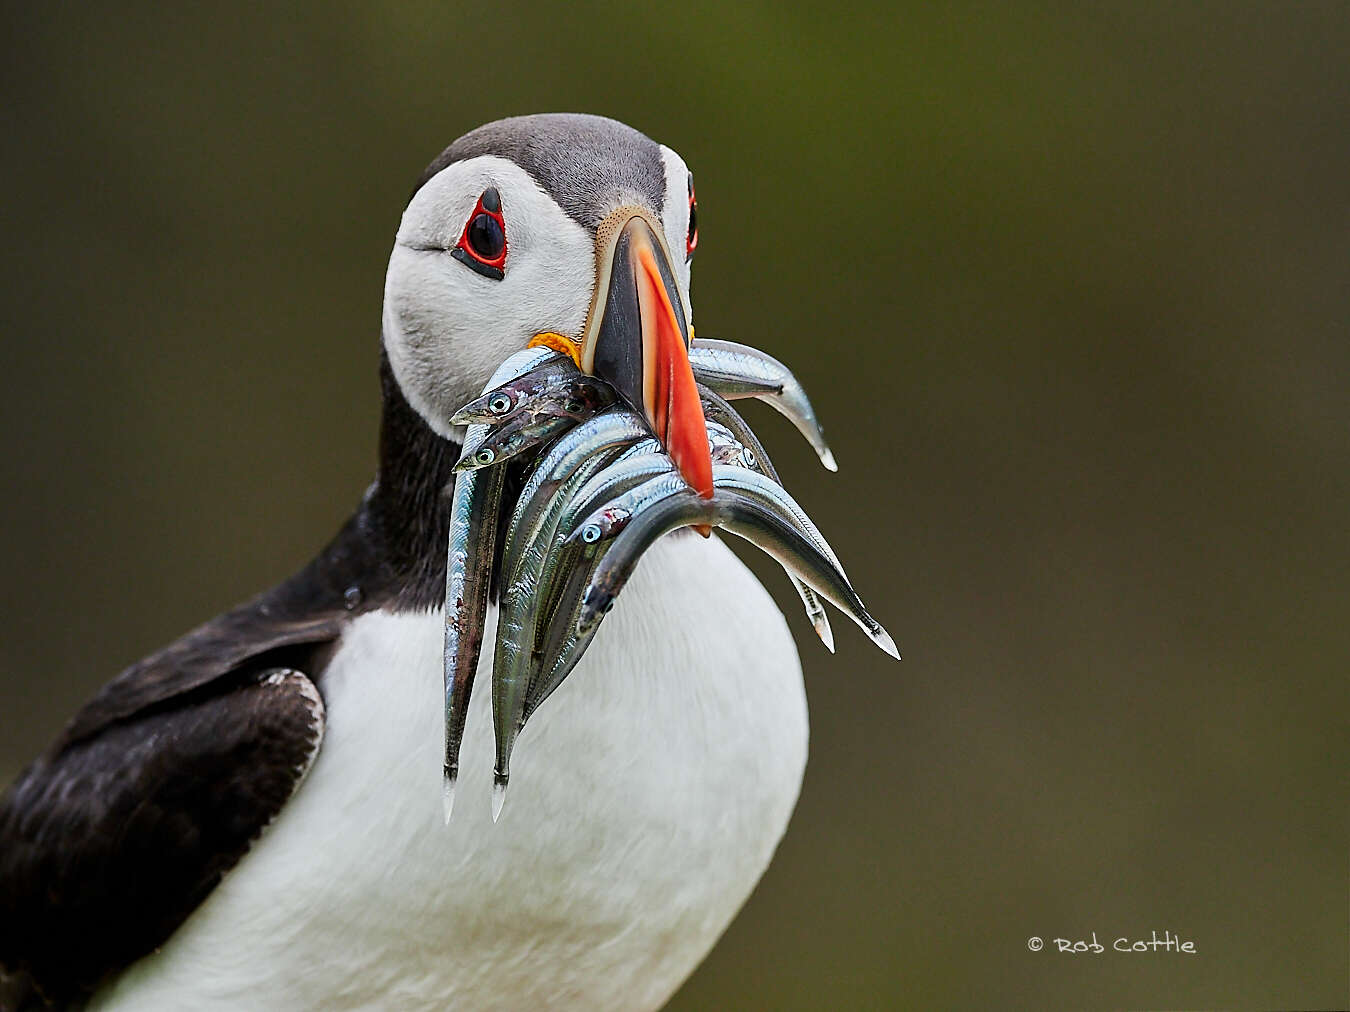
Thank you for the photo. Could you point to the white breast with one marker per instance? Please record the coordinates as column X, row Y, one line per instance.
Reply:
column 647, row 797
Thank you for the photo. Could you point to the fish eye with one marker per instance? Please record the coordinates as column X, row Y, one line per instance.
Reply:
column 572, row 405
column 482, row 244
column 485, row 456
column 499, row 404
column 591, row 533
column 749, row 456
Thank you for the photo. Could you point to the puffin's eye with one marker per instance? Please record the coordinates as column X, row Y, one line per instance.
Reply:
column 486, row 237
column 482, row 244
column 691, row 240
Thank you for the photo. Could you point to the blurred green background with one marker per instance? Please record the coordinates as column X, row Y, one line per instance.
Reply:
column 1067, row 284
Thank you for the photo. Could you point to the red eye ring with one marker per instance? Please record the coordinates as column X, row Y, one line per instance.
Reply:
column 691, row 237
column 482, row 243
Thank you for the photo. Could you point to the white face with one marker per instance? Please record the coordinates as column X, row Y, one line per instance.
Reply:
column 447, row 326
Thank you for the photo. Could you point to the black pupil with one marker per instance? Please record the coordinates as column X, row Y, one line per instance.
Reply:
column 486, row 236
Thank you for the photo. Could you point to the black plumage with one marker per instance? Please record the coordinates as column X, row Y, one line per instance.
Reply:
column 111, row 841
column 160, row 783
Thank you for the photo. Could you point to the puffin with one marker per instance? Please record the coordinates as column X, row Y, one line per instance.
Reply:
column 251, row 817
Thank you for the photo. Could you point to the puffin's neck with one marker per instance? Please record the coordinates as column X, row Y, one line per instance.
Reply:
column 409, row 506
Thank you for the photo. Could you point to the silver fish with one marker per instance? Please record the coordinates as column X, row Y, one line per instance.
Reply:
column 468, row 570
column 716, row 408
column 607, row 521
column 646, row 478
column 560, row 553
column 643, row 446
column 722, row 443
column 563, row 468
column 571, row 563
column 568, row 634
column 771, row 495
column 556, row 384
column 774, row 534
column 631, row 533
column 529, row 569
column 516, row 619
column 737, row 370
column 562, row 646
column 769, row 529
column 528, row 429
column 724, row 447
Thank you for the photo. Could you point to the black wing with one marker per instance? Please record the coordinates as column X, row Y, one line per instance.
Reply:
column 160, row 784
column 110, row 843
column 162, row 781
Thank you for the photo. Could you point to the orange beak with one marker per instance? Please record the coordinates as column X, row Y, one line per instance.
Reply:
column 637, row 339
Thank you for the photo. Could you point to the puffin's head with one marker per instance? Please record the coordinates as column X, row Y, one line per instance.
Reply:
column 569, row 230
